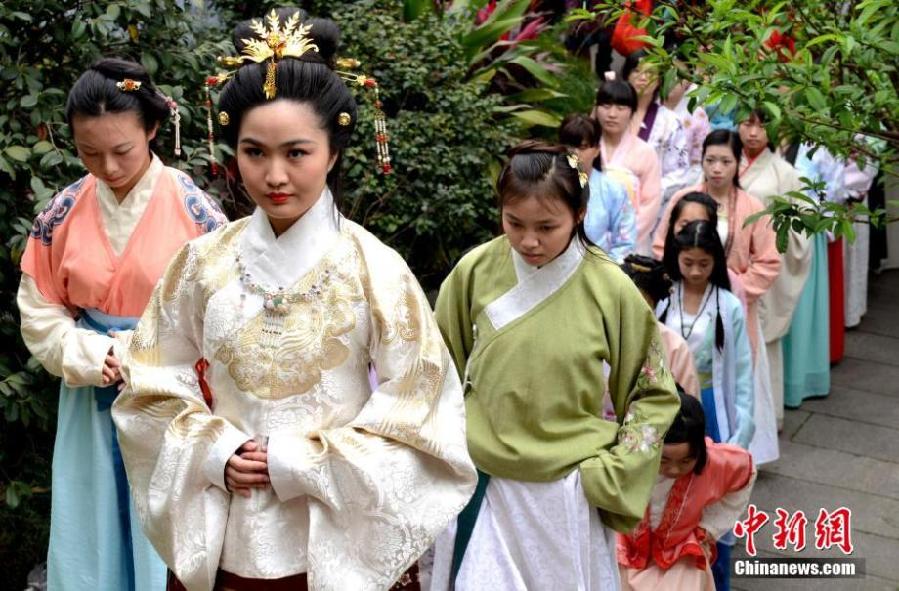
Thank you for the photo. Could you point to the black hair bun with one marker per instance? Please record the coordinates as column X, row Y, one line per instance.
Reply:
column 325, row 33
column 532, row 146
column 119, row 69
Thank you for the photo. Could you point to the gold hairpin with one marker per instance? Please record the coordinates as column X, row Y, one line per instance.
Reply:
column 574, row 162
column 582, row 178
column 344, row 119
column 128, row 85
column 274, row 42
column 224, row 118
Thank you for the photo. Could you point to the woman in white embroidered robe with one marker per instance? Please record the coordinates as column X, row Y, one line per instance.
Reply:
column 258, row 453
column 858, row 179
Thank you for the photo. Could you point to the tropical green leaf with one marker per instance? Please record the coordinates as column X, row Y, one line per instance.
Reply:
column 538, row 117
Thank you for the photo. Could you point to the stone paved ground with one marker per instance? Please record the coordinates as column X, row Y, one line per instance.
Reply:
column 844, row 450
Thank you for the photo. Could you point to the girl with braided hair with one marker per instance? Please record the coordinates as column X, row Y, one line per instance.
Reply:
column 651, row 279
column 711, row 319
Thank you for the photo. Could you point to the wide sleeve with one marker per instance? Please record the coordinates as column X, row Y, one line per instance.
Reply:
column 174, row 448
column 735, row 473
column 680, row 361
column 623, row 229
column 75, row 354
column 453, row 313
column 383, row 486
column 764, row 260
column 743, row 380
column 619, row 480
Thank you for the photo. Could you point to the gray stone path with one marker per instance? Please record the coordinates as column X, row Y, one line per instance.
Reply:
column 844, row 450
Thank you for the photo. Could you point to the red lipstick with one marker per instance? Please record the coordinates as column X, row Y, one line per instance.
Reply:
column 278, row 198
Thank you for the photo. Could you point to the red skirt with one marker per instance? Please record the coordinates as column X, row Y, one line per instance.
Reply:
column 837, row 310
column 226, row 581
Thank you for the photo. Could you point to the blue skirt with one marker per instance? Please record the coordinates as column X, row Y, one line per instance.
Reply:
column 806, row 347
column 95, row 538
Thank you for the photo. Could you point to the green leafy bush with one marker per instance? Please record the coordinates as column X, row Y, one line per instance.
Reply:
column 44, row 46
column 443, row 137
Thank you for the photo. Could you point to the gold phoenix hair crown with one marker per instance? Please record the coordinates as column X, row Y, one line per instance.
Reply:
column 274, row 42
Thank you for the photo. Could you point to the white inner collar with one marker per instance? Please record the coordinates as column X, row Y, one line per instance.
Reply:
column 565, row 261
column 280, row 261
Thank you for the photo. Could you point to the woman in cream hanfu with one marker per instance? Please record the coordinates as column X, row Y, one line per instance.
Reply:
column 627, row 158
column 89, row 267
column 259, row 455
column 764, row 174
column 702, row 489
column 533, row 318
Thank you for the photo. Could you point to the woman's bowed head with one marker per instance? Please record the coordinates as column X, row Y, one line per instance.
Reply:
column 542, row 201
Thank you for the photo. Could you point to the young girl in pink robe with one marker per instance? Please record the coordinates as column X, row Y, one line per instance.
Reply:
column 91, row 262
column 702, row 490
column 620, row 149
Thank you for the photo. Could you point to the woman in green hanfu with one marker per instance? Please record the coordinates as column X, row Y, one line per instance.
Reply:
column 537, row 321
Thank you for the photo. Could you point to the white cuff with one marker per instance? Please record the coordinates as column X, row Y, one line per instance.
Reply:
column 122, row 343
column 221, row 452
column 84, row 354
column 288, row 455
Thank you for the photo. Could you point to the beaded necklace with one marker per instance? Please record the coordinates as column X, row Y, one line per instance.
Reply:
column 705, row 300
column 278, row 301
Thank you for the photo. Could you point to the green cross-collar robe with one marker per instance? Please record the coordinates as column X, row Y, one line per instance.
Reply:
column 531, row 346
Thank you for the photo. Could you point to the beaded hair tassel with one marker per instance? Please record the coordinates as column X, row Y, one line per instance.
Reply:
column 176, row 121
column 130, row 85
column 210, row 132
column 380, row 119
column 381, row 137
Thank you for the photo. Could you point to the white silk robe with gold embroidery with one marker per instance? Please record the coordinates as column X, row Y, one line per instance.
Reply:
column 361, row 481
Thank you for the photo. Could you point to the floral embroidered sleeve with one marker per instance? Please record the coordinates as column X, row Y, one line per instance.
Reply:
column 619, row 480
